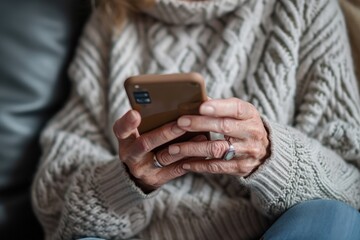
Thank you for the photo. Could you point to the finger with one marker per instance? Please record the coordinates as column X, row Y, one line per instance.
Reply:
column 151, row 177
column 226, row 126
column 231, row 107
column 165, row 158
column 127, row 125
column 217, row 149
column 146, row 142
column 171, row 172
column 234, row 167
column 212, row 149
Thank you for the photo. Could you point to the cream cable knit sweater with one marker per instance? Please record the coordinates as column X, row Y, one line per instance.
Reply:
column 288, row 58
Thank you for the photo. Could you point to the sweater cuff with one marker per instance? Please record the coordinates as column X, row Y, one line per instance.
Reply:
column 272, row 177
column 117, row 189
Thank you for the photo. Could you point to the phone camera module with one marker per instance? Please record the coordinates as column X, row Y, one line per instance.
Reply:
column 142, row 97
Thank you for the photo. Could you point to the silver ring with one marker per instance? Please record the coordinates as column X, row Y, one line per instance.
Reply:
column 157, row 164
column 230, row 153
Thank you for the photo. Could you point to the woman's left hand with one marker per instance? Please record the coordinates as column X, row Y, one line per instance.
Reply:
column 241, row 125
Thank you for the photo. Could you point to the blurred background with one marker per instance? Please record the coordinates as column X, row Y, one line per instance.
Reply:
column 37, row 40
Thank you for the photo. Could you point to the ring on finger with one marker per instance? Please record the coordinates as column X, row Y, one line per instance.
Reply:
column 230, row 152
column 157, row 164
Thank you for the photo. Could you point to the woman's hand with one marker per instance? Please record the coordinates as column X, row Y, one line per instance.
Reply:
column 242, row 127
column 135, row 151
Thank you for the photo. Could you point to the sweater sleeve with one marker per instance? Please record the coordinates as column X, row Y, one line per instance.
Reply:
column 318, row 156
column 81, row 187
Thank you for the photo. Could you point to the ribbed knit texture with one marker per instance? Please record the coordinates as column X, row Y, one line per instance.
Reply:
column 290, row 58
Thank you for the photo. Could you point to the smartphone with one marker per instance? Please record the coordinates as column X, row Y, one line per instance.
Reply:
column 161, row 99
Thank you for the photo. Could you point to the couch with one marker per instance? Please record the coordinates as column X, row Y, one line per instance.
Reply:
column 37, row 39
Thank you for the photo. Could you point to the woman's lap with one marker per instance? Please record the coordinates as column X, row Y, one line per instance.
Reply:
column 317, row 219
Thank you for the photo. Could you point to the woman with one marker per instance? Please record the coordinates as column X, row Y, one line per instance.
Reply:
column 283, row 95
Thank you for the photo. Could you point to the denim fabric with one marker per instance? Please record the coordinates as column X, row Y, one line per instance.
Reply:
column 317, row 219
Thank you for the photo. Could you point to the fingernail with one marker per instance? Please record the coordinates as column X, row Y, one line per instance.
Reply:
column 184, row 122
column 186, row 166
column 176, row 129
column 174, row 150
column 206, row 109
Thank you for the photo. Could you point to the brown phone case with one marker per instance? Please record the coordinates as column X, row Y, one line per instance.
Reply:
column 161, row 99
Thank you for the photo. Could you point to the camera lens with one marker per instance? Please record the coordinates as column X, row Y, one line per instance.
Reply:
column 142, row 97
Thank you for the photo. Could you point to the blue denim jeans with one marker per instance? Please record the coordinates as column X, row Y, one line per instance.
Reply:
column 316, row 219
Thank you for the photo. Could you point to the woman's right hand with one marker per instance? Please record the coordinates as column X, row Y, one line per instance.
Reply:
column 135, row 151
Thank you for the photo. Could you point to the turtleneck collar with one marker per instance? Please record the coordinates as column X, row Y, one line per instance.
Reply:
column 181, row 12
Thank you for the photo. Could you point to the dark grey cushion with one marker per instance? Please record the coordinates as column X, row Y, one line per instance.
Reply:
column 37, row 38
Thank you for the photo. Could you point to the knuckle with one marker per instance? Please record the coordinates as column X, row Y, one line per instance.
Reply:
column 216, row 149
column 256, row 133
column 127, row 159
column 262, row 154
column 250, row 148
column 198, row 168
column 188, row 150
column 165, row 135
column 239, row 109
column 177, row 171
column 226, row 126
column 164, row 158
column 136, row 172
column 255, row 151
column 143, row 144
column 252, row 109
column 245, row 168
column 213, row 168
column 149, row 180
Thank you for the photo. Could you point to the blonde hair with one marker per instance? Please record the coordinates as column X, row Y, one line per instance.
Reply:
column 117, row 11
